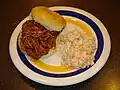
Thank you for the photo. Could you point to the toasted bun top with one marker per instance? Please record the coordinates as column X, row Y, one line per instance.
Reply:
column 49, row 19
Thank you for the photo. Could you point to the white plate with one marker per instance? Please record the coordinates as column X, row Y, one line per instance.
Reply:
column 59, row 78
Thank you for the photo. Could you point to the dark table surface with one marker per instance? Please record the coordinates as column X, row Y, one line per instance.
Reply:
column 13, row 11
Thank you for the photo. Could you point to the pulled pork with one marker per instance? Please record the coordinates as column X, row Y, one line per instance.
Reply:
column 35, row 40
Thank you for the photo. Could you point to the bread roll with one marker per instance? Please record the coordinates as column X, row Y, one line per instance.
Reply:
column 47, row 18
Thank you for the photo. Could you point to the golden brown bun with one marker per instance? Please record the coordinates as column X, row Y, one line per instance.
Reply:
column 49, row 19
column 51, row 51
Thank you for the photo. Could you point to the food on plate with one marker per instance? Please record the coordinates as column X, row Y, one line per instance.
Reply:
column 76, row 49
column 38, row 36
column 35, row 40
column 49, row 19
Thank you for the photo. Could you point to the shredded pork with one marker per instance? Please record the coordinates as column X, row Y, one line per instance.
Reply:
column 35, row 40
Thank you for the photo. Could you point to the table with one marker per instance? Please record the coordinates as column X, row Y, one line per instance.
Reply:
column 13, row 11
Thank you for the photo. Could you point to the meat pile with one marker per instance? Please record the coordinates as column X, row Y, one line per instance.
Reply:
column 35, row 40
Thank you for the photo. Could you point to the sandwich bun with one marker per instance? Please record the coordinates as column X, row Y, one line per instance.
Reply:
column 47, row 18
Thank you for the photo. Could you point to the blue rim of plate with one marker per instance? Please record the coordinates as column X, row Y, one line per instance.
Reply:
column 98, row 53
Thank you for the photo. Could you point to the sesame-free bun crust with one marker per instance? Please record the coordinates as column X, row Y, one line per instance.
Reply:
column 49, row 19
